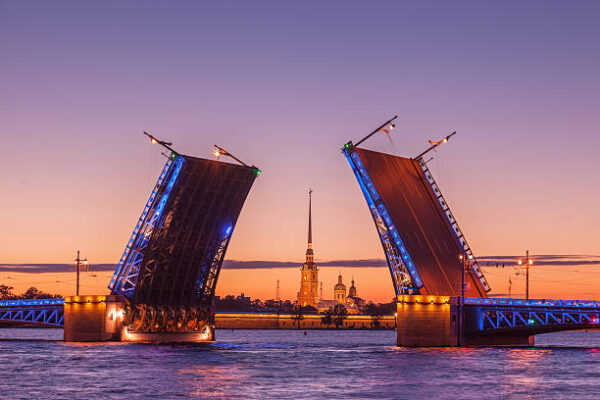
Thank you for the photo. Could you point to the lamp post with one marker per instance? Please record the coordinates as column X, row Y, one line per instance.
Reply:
column 528, row 261
column 461, row 260
column 79, row 262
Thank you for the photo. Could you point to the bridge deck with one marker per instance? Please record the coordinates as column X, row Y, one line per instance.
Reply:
column 533, row 316
column 36, row 311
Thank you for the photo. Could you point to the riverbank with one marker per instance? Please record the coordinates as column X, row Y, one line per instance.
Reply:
column 309, row 321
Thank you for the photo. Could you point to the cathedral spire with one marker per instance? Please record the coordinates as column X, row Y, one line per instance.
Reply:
column 309, row 250
column 310, row 218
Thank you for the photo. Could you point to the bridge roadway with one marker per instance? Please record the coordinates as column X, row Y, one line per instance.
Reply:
column 485, row 321
column 46, row 312
column 424, row 320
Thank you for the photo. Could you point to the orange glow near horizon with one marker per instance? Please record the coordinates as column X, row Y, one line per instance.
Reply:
column 373, row 284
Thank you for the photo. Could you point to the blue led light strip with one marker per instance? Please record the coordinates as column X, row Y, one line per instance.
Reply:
column 399, row 260
column 37, row 311
column 31, row 302
column 532, row 302
column 119, row 270
column 205, row 284
column 125, row 277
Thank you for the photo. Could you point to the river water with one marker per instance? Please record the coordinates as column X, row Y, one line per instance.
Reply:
column 279, row 364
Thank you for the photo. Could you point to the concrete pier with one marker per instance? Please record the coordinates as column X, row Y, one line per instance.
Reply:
column 93, row 318
column 103, row 318
column 427, row 321
column 437, row 321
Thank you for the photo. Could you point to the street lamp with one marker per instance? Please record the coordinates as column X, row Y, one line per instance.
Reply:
column 461, row 259
column 527, row 261
column 79, row 263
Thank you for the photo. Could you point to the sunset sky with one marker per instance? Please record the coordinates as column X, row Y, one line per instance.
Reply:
column 283, row 87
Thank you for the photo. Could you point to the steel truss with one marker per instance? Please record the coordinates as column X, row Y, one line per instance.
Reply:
column 405, row 277
column 461, row 238
column 36, row 311
column 207, row 278
column 125, row 277
column 496, row 314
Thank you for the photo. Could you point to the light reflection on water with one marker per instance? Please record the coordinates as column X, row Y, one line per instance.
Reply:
column 290, row 365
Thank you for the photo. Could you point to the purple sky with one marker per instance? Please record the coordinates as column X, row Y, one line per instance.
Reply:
column 283, row 86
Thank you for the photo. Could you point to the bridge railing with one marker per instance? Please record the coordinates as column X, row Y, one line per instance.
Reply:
column 532, row 302
column 34, row 311
column 536, row 315
column 31, row 302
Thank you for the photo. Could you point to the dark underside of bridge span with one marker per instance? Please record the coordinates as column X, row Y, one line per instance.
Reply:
column 423, row 227
column 183, row 258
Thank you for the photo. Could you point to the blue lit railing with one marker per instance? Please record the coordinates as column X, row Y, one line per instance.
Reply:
column 207, row 278
column 125, row 277
column 119, row 271
column 31, row 302
column 531, row 315
column 399, row 259
column 48, row 312
column 532, row 302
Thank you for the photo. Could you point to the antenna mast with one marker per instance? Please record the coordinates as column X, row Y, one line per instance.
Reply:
column 379, row 128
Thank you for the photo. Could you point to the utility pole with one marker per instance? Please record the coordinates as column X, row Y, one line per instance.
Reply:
column 509, row 286
column 461, row 262
column 79, row 262
column 528, row 262
column 527, row 275
column 277, row 292
column 461, row 257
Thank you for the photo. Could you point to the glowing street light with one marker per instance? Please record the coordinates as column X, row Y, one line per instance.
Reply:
column 527, row 262
column 79, row 263
column 219, row 151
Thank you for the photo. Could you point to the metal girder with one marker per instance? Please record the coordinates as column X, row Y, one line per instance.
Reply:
column 404, row 274
column 37, row 311
column 207, row 279
column 461, row 238
column 498, row 314
column 125, row 277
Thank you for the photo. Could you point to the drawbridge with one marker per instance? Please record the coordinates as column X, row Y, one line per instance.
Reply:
column 165, row 281
column 166, row 277
column 441, row 290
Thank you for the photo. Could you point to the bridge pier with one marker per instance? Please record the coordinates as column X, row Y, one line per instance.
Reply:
column 103, row 318
column 93, row 318
column 437, row 321
column 427, row 321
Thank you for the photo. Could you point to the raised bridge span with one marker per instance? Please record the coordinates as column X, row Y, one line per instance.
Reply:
column 165, row 281
column 166, row 278
column 442, row 292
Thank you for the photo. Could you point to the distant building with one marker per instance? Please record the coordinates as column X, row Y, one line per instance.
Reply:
column 309, row 274
column 245, row 300
column 351, row 302
column 352, row 290
column 339, row 291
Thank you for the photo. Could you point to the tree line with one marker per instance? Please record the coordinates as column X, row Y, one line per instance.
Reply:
column 333, row 316
column 6, row 293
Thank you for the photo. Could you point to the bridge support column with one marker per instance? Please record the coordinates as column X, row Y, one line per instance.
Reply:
column 427, row 321
column 93, row 318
